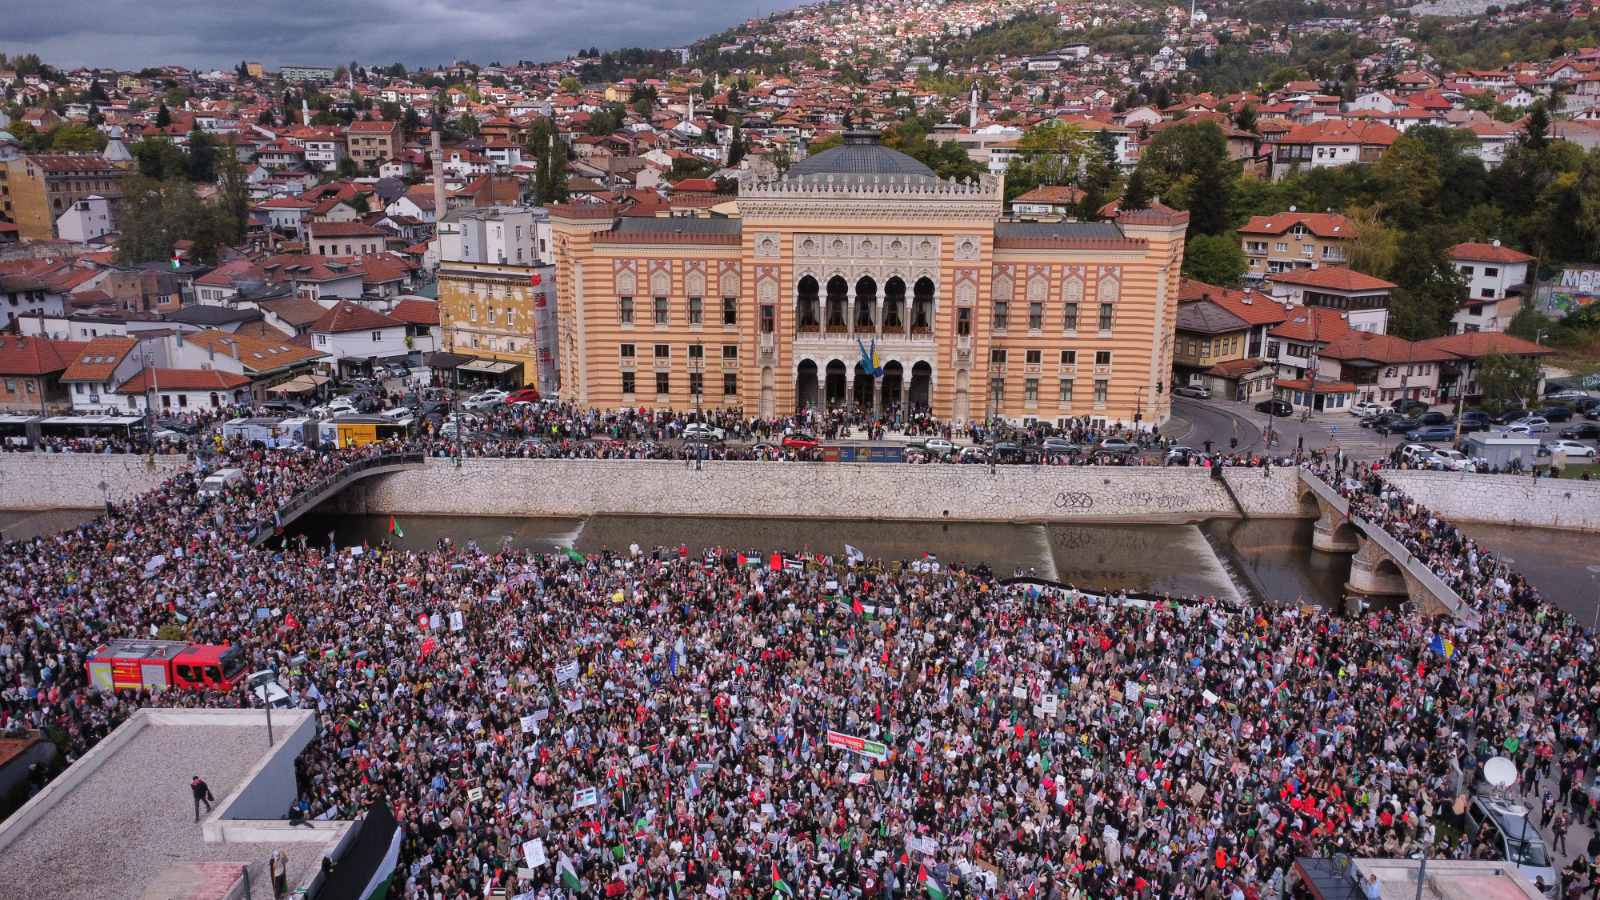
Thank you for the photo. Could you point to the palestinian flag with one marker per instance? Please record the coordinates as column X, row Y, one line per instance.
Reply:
column 573, row 554
column 780, row 888
column 568, row 875
column 928, row 884
column 394, row 528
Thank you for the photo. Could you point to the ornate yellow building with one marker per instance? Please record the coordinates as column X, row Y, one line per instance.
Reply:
column 973, row 316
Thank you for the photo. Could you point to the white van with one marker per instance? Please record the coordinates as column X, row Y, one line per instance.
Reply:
column 218, row 481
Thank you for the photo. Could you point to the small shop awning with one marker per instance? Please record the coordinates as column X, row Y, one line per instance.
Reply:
column 489, row 366
column 300, row 384
column 444, row 360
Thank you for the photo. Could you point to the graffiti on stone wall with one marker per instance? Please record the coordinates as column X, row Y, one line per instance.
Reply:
column 1073, row 500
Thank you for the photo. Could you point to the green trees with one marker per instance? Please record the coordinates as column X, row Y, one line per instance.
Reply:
column 158, row 214
column 1051, row 153
column 1187, row 166
column 1507, row 381
column 1214, row 258
column 549, row 155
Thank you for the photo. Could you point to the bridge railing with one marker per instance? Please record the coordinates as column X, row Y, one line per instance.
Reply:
column 315, row 493
column 1374, row 531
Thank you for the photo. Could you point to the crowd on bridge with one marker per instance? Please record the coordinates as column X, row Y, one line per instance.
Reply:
column 668, row 724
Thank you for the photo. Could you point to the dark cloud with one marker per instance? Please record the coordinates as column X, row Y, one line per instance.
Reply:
column 130, row 34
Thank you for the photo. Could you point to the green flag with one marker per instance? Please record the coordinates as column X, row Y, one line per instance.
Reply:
column 780, row 888
column 573, row 554
column 569, row 875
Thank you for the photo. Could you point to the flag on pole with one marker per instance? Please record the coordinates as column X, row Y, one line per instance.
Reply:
column 928, row 884
column 780, row 888
column 853, row 555
column 569, row 875
column 394, row 528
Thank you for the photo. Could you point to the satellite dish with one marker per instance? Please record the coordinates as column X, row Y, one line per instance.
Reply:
column 1500, row 772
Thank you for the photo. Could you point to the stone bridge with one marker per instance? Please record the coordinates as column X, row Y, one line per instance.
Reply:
column 1382, row 566
column 314, row 495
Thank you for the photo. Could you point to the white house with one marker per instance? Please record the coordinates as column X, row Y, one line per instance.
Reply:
column 345, row 238
column 491, row 234
column 355, row 336
column 85, row 219
column 324, row 152
column 183, row 390
column 1495, row 277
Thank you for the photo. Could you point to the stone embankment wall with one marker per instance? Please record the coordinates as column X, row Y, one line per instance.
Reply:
column 79, row 480
column 519, row 487
column 1505, row 499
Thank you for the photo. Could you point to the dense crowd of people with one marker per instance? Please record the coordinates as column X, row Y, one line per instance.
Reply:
column 661, row 721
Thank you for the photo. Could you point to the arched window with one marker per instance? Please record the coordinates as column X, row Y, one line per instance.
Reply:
column 660, row 284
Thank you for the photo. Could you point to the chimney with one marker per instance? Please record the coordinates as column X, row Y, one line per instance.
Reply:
column 437, row 156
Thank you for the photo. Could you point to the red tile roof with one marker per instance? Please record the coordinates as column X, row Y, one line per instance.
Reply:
column 1323, row 225
column 1478, row 344
column 347, row 316
column 1254, row 307
column 1322, row 387
column 99, row 358
column 1488, row 253
column 1382, row 348
column 416, row 312
column 1313, row 323
column 1332, row 278
column 345, row 229
column 35, row 355
column 183, row 380
column 1337, row 131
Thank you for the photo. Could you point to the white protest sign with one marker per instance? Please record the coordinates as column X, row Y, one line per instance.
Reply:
column 529, row 723
column 533, row 852
column 566, row 672
column 457, row 620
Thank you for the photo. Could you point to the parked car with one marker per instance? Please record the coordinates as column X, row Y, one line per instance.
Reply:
column 1275, row 408
column 1060, row 445
column 938, row 446
column 490, row 398
column 1396, row 426
column 1587, row 405
column 1409, row 407
column 525, row 395
column 1556, row 413
column 1515, row 428
column 800, row 441
column 281, row 407
column 1534, row 424
column 1008, row 453
column 1434, row 418
column 1566, row 394
column 1583, row 431
column 700, row 432
column 1118, row 446
column 1474, row 420
column 1365, row 408
column 396, row 414
column 1192, row 390
column 1452, row 460
column 1416, row 453
column 1571, row 448
column 1506, row 417
column 1432, row 433
column 973, row 455
column 1179, row 454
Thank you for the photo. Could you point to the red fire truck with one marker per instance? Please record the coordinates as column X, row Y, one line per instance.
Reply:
column 131, row 664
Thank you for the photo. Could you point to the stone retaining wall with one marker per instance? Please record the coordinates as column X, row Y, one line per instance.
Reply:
column 73, row 480
column 1505, row 499
column 521, row 487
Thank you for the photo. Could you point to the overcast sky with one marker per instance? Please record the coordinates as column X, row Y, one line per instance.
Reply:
column 131, row 34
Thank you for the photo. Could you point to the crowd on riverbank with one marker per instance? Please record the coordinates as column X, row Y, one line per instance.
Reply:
column 661, row 722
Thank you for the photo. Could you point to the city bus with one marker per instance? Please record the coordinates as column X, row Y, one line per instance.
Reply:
column 131, row 429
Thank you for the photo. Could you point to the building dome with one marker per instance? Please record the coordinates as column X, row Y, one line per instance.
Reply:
column 861, row 154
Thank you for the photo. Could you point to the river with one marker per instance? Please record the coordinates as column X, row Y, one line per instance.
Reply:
column 1270, row 558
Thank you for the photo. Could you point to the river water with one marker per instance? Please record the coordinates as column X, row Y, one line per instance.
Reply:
column 1270, row 558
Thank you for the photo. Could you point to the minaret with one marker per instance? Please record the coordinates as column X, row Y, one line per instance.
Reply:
column 437, row 156
column 305, row 112
column 972, row 110
column 691, row 106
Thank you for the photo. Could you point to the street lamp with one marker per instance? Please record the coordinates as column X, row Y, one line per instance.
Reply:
column 259, row 681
